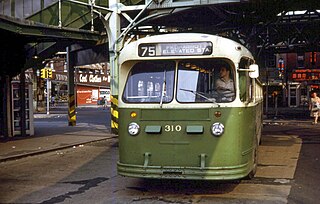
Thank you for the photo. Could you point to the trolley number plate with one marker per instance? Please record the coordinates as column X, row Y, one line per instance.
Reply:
column 172, row 128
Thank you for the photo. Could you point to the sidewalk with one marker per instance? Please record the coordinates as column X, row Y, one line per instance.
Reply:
column 52, row 136
column 22, row 147
column 286, row 115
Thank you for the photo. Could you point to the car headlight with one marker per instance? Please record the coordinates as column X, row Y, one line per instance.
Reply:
column 217, row 129
column 133, row 129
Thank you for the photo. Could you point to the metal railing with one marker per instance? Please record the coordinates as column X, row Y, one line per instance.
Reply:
column 23, row 8
column 57, row 10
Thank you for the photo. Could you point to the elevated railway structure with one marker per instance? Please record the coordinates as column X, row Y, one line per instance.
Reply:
column 44, row 27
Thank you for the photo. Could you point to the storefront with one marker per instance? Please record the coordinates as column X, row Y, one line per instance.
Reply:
column 89, row 86
column 59, row 87
column 90, row 81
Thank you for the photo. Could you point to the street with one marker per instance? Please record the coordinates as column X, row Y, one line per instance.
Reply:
column 288, row 172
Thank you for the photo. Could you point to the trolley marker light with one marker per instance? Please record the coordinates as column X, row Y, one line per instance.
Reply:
column 217, row 129
column 217, row 114
column 133, row 114
column 133, row 129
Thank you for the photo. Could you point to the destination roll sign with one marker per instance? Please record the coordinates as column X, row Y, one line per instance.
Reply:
column 175, row 49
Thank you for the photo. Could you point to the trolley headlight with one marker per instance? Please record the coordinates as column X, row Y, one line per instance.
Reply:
column 133, row 129
column 217, row 129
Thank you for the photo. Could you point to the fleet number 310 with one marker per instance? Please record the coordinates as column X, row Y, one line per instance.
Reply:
column 172, row 128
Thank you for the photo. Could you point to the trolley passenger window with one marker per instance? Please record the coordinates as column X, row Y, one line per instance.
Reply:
column 202, row 81
column 245, row 82
column 150, row 82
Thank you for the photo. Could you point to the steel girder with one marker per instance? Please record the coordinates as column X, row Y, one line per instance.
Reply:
column 258, row 24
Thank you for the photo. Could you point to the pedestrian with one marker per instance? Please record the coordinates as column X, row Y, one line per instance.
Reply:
column 104, row 102
column 53, row 101
column 56, row 100
column 314, row 107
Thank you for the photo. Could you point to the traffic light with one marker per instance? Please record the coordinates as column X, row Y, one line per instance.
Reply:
column 313, row 57
column 44, row 73
column 49, row 73
column 281, row 64
column 281, row 68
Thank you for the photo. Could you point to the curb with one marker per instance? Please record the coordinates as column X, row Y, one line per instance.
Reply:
column 20, row 156
column 286, row 122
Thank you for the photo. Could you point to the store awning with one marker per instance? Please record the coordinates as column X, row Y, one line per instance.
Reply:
column 97, row 66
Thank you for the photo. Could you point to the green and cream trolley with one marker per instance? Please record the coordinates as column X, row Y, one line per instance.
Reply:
column 174, row 122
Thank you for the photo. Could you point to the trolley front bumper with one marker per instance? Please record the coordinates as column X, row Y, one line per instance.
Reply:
column 190, row 173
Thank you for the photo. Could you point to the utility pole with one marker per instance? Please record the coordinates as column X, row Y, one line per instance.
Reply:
column 48, row 96
column 46, row 73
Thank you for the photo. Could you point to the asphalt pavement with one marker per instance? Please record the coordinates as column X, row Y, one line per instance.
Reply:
column 52, row 132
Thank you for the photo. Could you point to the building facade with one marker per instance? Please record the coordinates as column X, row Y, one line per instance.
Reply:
column 90, row 81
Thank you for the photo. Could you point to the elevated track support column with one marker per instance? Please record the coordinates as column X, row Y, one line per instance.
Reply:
column 22, row 101
column 71, row 101
column 5, row 107
column 113, row 29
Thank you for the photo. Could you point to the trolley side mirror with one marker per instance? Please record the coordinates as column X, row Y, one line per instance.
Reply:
column 254, row 71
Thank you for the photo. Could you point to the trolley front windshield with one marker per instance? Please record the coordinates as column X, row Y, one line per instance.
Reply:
column 150, row 82
column 198, row 81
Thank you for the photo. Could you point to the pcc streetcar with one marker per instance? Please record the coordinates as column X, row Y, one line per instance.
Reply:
column 174, row 122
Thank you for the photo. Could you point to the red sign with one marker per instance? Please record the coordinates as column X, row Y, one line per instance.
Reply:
column 306, row 75
column 87, row 95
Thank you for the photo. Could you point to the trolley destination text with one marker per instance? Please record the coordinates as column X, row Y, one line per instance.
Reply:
column 175, row 49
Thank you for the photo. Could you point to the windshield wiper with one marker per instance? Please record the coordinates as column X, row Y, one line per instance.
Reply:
column 199, row 94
